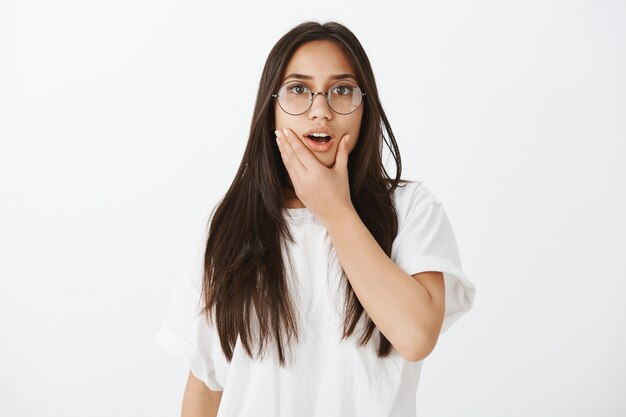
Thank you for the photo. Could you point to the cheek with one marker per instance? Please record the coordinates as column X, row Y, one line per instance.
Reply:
column 355, row 130
column 354, row 138
column 351, row 146
column 279, row 119
column 277, row 123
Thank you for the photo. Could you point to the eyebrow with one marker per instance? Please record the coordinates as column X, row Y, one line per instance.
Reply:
column 308, row 77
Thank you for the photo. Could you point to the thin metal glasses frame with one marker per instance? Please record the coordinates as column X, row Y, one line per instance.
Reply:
column 312, row 96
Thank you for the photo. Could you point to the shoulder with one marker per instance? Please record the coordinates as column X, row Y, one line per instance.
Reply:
column 412, row 196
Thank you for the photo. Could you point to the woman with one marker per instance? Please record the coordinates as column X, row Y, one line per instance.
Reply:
column 318, row 284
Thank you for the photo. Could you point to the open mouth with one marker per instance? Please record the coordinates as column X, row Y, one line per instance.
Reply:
column 319, row 138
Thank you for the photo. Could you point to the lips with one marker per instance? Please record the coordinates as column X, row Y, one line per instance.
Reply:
column 320, row 130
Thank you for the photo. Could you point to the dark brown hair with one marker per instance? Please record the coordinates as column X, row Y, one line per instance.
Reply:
column 244, row 275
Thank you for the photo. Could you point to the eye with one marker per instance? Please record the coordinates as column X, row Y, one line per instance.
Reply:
column 343, row 90
column 297, row 89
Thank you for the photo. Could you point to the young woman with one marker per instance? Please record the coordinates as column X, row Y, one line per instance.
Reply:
column 317, row 284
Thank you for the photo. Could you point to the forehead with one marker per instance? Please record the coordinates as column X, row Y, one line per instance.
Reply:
column 319, row 59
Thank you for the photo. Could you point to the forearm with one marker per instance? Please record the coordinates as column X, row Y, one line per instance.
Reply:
column 400, row 306
column 196, row 404
column 199, row 400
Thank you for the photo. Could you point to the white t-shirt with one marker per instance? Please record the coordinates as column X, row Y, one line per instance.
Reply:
column 326, row 377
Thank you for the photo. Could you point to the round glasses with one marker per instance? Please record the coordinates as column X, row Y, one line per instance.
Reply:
column 295, row 97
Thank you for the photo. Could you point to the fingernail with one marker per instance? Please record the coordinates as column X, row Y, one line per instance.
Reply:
column 276, row 132
column 285, row 132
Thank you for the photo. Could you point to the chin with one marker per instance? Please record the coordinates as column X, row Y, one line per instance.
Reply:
column 328, row 160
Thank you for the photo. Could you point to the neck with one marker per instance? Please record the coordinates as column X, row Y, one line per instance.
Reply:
column 290, row 199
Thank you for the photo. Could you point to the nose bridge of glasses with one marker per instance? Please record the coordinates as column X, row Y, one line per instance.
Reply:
column 324, row 94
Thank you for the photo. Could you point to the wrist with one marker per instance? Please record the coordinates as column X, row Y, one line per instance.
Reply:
column 339, row 217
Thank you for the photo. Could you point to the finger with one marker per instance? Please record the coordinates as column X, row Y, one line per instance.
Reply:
column 292, row 166
column 285, row 159
column 341, row 157
column 302, row 152
column 288, row 152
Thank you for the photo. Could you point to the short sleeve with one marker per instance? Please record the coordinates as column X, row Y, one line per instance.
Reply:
column 426, row 242
column 185, row 331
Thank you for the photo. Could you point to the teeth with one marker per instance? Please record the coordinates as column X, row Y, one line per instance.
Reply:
column 319, row 135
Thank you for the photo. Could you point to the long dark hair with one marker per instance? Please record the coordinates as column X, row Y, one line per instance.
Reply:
column 244, row 275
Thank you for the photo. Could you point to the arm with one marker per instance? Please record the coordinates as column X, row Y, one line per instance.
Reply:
column 409, row 312
column 199, row 400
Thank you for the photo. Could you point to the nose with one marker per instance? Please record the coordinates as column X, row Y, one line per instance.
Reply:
column 320, row 108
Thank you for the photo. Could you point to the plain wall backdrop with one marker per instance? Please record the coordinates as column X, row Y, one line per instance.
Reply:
column 121, row 120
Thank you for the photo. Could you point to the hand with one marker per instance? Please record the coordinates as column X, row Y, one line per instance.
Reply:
column 324, row 191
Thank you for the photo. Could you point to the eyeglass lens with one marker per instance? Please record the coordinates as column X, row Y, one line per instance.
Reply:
column 343, row 97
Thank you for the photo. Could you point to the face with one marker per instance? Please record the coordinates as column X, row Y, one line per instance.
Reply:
column 320, row 60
